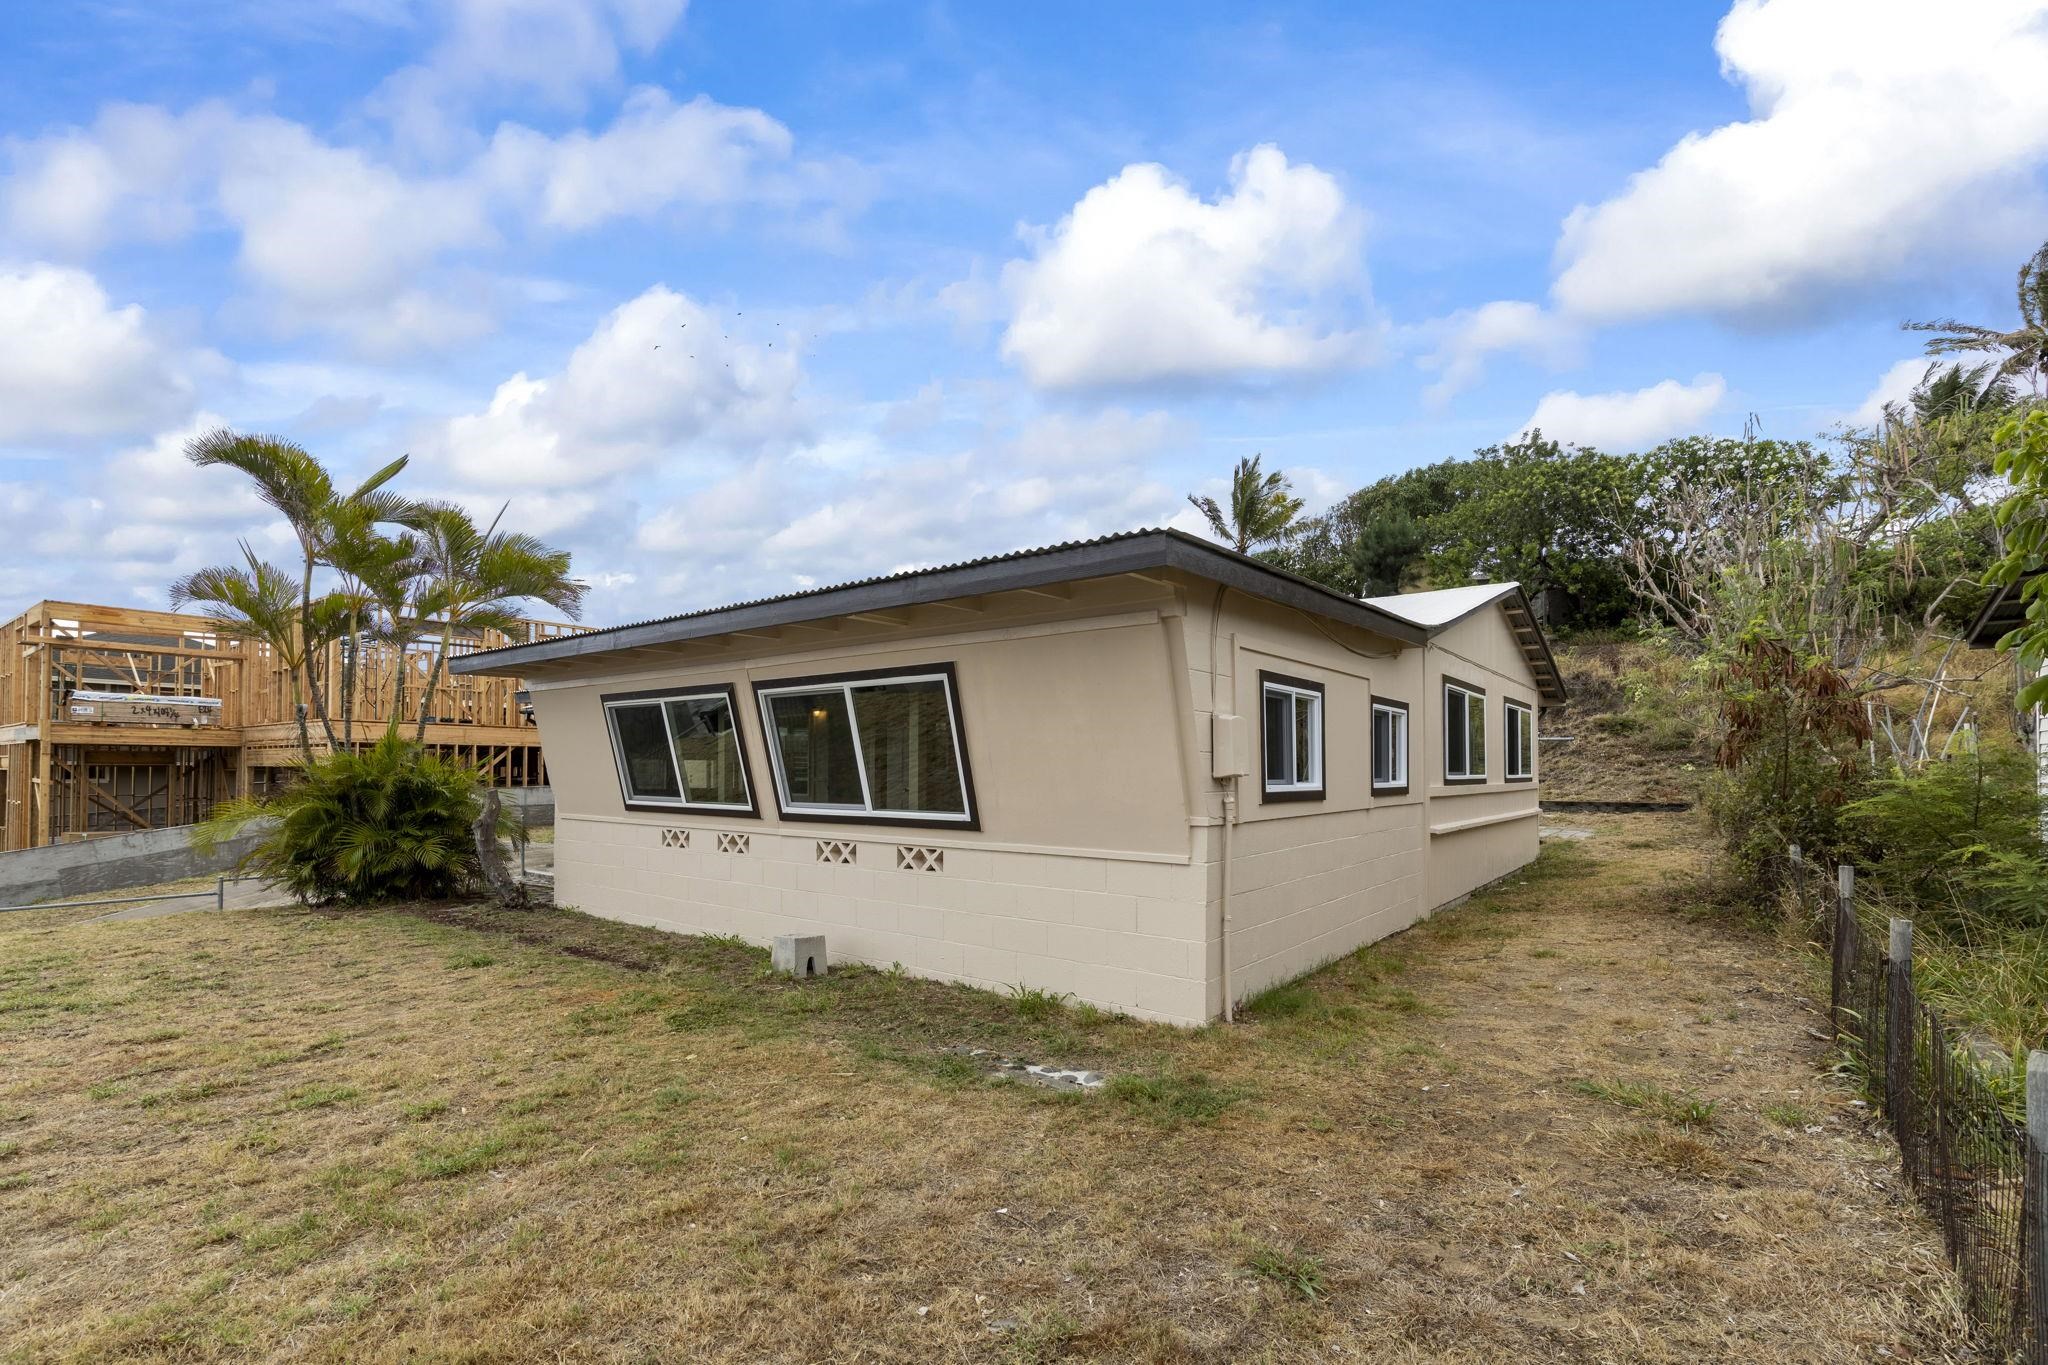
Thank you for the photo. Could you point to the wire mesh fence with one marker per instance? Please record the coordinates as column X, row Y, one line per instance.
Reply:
column 1972, row 1163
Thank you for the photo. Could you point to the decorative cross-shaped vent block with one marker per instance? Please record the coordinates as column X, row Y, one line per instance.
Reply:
column 675, row 838
column 835, row 850
column 911, row 858
column 734, row 843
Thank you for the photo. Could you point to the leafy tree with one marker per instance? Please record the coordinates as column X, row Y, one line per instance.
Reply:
column 1326, row 548
column 1262, row 507
column 2021, row 353
column 1546, row 516
column 390, row 823
column 298, row 487
column 1384, row 551
column 476, row 580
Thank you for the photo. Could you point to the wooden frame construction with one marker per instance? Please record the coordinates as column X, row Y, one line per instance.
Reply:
column 115, row 718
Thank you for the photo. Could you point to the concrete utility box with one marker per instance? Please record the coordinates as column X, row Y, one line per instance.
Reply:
column 799, row 955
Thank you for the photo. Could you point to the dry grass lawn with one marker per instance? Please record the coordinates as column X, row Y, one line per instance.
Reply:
column 1571, row 1120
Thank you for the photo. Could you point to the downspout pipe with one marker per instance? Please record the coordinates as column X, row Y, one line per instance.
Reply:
column 1229, row 820
column 1229, row 785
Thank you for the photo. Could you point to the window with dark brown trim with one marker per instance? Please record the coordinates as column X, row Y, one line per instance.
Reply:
column 1464, row 732
column 680, row 749
column 880, row 747
column 1389, row 747
column 1291, row 738
column 1518, row 741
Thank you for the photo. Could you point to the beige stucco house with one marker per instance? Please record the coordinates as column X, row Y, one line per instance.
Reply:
column 1142, row 770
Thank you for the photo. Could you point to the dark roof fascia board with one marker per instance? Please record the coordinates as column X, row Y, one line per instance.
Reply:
column 1138, row 552
column 1553, row 691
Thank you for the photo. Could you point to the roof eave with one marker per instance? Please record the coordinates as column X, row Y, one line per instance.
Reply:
column 1149, row 551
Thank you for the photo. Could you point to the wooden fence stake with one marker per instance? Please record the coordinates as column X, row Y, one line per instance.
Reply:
column 2034, row 1201
column 1898, row 1026
column 1844, row 944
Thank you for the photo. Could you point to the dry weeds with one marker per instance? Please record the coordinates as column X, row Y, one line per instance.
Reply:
column 457, row 1135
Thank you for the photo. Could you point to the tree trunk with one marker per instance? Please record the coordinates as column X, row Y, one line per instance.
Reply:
column 434, row 679
column 348, row 678
column 299, row 713
column 498, row 880
column 398, row 665
column 313, row 683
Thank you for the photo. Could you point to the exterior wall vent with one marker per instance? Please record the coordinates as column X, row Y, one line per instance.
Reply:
column 836, row 850
column 734, row 843
column 913, row 858
column 675, row 838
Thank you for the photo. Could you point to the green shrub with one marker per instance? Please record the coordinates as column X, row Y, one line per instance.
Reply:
column 393, row 822
column 1963, row 833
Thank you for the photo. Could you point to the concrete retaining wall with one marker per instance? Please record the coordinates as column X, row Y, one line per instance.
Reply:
column 83, row 870
column 148, row 856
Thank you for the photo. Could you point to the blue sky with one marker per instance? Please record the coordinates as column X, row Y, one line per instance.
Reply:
column 734, row 298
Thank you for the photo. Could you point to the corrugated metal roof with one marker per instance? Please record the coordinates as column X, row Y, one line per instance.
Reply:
column 1441, row 606
column 899, row 576
column 1124, row 552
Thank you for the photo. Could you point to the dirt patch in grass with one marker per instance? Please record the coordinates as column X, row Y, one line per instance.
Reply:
column 1553, row 1124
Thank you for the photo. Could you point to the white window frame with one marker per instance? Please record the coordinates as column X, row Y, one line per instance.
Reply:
column 846, row 685
column 1296, row 692
column 659, row 701
column 1517, row 715
column 1461, row 712
column 1397, row 783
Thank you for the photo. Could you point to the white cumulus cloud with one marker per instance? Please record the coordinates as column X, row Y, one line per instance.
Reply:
column 73, row 365
column 1467, row 338
column 555, row 51
column 392, row 254
column 1878, row 131
column 657, row 153
column 659, row 375
column 1627, row 420
column 1146, row 282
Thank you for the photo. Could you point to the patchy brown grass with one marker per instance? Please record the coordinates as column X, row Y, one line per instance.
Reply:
column 450, row 1134
column 1639, row 726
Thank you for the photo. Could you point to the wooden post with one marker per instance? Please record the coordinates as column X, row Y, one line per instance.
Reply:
column 2034, row 1200
column 1898, row 1025
column 1844, row 955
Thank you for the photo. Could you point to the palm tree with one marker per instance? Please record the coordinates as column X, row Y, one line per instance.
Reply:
column 1262, row 507
column 2024, row 350
column 475, row 580
column 298, row 487
column 1959, row 392
column 259, row 602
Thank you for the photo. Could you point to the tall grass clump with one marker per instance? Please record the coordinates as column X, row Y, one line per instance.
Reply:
column 393, row 822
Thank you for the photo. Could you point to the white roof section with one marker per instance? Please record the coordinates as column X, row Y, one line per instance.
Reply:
column 1438, row 610
column 1442, row 606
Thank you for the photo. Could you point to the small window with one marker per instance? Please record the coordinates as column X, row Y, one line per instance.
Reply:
column 869, row 747
column 1464, row 733
column 1519, row 734
column 1389, row 747
column 680, row 749
column 1292, row 737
